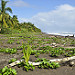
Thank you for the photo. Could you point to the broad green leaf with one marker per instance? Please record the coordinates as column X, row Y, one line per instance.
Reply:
column 4, row 69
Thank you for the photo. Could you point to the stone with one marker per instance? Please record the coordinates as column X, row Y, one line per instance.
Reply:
column 72, row 63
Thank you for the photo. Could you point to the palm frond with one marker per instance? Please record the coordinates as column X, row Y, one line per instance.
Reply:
column 1, row 17
column 3, row 5
column 4, row 16
column 0, row 11
column 4, row 23
column 6, row 2
column 10, row 22
column 8, row 9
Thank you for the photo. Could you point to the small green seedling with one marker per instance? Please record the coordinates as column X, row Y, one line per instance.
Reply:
column 10, row 41
column 37, row 55
column 18, row 42
column 12, row 60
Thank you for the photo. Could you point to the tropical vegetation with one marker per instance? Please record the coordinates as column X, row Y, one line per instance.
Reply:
column 28, row 43
column 9, row 24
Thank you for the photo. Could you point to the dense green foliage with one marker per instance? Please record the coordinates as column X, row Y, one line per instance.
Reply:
column 4, row 16
column 29, row 26
column 21, row 28
column 8, row 50
column 47, row 65
column 54, row 52
column 26, row 66
column 9, row 24
column 8, row 71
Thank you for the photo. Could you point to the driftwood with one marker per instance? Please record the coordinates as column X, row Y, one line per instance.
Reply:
column 37, row 63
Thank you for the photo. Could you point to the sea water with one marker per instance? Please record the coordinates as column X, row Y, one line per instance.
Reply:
column 64, row 34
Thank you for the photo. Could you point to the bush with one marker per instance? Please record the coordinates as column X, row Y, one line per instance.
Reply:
column 8, row 71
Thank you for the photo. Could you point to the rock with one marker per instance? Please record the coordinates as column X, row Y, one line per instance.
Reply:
column 53, row 44
column 72, row 63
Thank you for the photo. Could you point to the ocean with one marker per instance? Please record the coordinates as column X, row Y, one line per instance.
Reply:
column 64, row 34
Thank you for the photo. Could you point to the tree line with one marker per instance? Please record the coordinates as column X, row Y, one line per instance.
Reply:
column 6, row 21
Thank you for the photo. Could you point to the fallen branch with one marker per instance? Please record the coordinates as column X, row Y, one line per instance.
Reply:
column 37, row 63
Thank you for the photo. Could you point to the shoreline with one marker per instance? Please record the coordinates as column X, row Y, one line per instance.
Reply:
column 63, row 34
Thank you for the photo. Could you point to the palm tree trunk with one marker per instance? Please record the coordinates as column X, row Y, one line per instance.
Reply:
column 2, row 25
column 2, row 19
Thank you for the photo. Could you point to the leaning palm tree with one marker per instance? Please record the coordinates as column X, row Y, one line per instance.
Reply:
column 4, row 10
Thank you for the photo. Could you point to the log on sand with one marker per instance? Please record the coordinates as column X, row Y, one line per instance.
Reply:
column 37, row 63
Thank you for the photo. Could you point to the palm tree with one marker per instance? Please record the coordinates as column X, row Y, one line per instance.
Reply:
column 15, row 21
column 4, row 10
column 0, row 19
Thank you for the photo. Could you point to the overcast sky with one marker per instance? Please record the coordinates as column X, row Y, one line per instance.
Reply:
column 48, row 15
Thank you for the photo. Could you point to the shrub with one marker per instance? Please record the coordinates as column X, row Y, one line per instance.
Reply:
column 8, row 71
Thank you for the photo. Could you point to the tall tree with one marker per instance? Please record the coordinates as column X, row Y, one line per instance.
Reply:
column 15, row 21
column 4, row 10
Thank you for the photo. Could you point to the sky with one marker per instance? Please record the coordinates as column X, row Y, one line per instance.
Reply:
column 51, row 16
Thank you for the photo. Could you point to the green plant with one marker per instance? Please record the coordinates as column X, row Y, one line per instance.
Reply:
column 70, row 53
column 37, row 55
column 10, row 41
column 12, row 60
column 18, row 42
column 33, row 52
column 21, row 64
column 30, row 42
column 54, row 65
column 20, row 47
column 47, row 65
column 11, row 51
column 1, row 50
column 73, row 43
column 8, row 71
column 33, row 47
column 7, row 50
column 46, row 48
column 27, row 53
column 55, row 52
column 39, row 42
column 28, row 66
column 40, row 51
column 4, row 15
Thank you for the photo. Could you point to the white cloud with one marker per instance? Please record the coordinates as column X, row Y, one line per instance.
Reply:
column 62, row 19
column 65, row 7
column 18, row 3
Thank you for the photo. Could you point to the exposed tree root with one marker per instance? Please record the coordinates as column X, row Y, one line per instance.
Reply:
column 37, row 63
